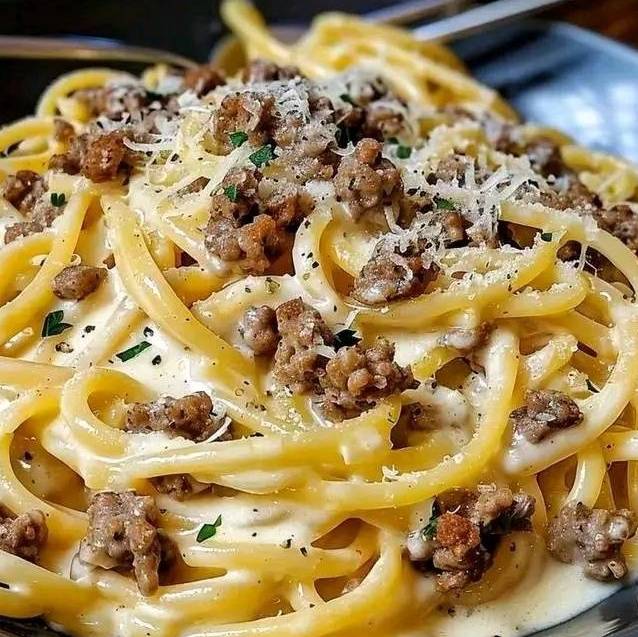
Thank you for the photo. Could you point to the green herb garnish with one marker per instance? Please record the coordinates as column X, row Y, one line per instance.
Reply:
column 546, row 236
column 444, row 204
column 132, row 352
column 209, row 530
column 346, row 337
column 428, row 532
column 404, row 152
column 392, row 140
column 58, row 199
column 53, row 324
column 238, row 138
column 231, row 192
column 262, row 156
column 347, row 98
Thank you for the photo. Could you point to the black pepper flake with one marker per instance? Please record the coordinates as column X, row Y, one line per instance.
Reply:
column 148, row 331
column 304, row 551
column 156, row 360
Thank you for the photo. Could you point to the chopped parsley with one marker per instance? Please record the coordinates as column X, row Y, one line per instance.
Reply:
column 346, row 337
column 231, row 192
column 444, row 204
column 392, row 140
column 404, row 152
column 58, row 199
column 546, row 236
column 345, row 135
column 347, row 98
column 238, row 138
column 429, row 530
column 209, row 530
column 132, row 352
column 53, row 324
column 262, row 156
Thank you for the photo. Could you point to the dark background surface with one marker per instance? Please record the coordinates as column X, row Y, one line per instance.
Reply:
column 191, row 27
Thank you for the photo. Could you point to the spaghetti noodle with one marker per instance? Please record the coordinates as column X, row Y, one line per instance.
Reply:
column 330, row 344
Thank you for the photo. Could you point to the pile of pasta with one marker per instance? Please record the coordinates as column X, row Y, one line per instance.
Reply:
column 311, row 515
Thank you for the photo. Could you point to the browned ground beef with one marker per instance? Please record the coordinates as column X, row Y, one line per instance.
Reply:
column 104, row 157
column 592, row 536
column 302, row 329
column 113, row 101
column 466, row 526
column 123, row 533
column 415, row 416
column 23, row 190
column 351, row 381
column 23, row 535
column 180, row 486
column 365, row 180
column 382, row 121
column 357, row 378
column 258, row 328
column 263, row 71
column 63, row 131
column 27, row 191
column 466, row 340
column 545, row 411
column 203, row 79
column 453, row 227
column 22, row 229
column 98, row 156
column 250, row 113
column 389, row 276
column 288, row 205
column 190, row 416
column 622, row 222
column 78, row 281
column 248, row 230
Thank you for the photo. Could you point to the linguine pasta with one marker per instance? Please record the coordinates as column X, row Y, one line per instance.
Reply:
column 304, row 514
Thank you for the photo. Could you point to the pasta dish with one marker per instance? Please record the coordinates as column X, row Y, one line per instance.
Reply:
column 313, row 340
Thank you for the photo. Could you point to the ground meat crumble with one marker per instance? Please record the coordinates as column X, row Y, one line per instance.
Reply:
column 459, row 541
column 545, row 411
column 123, row 533
column 23, row 535
column 78, row 281
column 592, row 536
column 297, row 361
column 179, row 486
column 190, row 416
column 347, row 383
column 258, row 328
column 27, row 192
column 390, row 276
column 249, row 229
column 357, row 378
column 365, row 181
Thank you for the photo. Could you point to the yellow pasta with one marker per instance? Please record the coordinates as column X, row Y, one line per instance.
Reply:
column 302, row 511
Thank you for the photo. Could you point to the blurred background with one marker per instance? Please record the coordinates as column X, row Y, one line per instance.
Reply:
column 532, row 68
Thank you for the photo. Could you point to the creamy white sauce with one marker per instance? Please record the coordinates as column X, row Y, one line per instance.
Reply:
column 556, row 594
